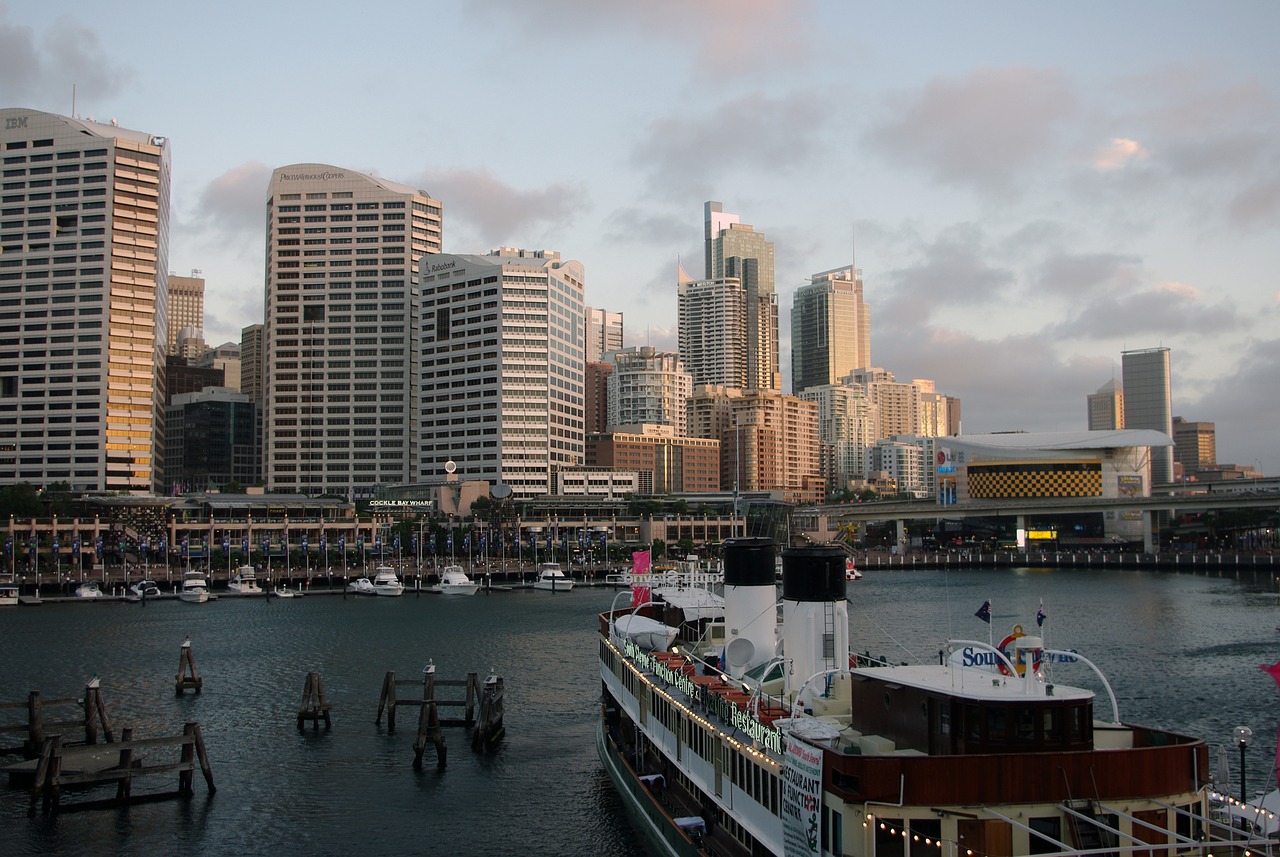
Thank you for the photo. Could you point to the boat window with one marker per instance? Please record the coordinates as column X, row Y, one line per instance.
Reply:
column 1052, row 726
column 973, row 718
column 1043, row 831
column 997, row 725
column 1025, row 726
column 889, row 839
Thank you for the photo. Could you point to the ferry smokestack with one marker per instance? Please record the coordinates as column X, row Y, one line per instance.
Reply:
column 815, row 615
column 750, row 596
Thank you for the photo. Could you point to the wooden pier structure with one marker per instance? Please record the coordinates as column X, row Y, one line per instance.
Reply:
column 315, row 706
column 92, row 718
column 430, row 723
column 62, row 767
column 187, row 676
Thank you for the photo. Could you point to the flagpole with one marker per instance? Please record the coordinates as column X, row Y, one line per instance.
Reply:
column 991, row 640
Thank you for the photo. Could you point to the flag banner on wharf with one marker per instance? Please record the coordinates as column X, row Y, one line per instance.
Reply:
column 1274, row 671
column 801, row 798
column 639, row 565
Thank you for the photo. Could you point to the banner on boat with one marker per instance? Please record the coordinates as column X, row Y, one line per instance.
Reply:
column 801, row 799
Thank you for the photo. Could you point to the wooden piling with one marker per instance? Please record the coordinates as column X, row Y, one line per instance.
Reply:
column 90, row 719
column 489, row 730
column 429, row 722
column 187, row 675
column 315, row 706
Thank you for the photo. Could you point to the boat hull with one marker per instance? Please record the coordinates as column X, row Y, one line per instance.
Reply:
column 646, row 815
column 557, row 585
column 194, row 597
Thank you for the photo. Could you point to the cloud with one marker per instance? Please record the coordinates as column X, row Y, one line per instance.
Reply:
column 68, row 54
column 1118, row 153
column 498, row 213
column 1080, row 275
column 983, row 131
column 725, row 37
column 1236, row 398
column 234, row 203
column 1256, row 205
column 753, row 132
column 1164, row 310
column 951, row 271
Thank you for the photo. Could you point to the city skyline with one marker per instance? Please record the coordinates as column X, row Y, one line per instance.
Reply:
column 1023, row 210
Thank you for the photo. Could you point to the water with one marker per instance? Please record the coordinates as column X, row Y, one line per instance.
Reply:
column 1181, row 650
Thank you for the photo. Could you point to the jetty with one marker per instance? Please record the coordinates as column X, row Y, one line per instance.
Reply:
column 315, row 706
column 89, row 715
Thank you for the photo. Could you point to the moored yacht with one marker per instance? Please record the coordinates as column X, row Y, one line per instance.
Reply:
column 194, row 588
column 144, row 589
column 385, row 581
column 89, row 589
column 8, row 593
column 552, row 579
column 244, row 581
column 759, row 734
column 454, row 581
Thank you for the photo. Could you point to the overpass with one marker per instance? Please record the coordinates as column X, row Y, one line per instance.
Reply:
column 822, row 523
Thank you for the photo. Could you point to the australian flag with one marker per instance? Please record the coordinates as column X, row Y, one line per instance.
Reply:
column 984, row 612
column 1040, row 616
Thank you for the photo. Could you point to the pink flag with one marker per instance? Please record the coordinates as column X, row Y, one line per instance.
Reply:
column 1274, row 671
column 639, row 565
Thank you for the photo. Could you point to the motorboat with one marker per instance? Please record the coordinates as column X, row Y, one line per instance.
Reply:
column 89, row 589
column 194, row 588
column 283, row 591
column 454, row 581
column 552, row 579
column 145, row 589
column 851, row 572
column 244, row 581
column 385, row 581
column 8, row 593
column 361, row 586
column 768, row 732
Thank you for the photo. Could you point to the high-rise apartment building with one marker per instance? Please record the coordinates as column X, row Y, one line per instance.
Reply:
column 502, row 388
column 596, row 396
column 604, row 333
column 893, row 407
column 736, row 250
column 712, row 321
column 830, row 329
column 648, row 386
column 341, row 360
column 1195, row 446
column 84, row 227
column 186, row 307
column 1148, row 403
column 1106, row 407
column 844, row 425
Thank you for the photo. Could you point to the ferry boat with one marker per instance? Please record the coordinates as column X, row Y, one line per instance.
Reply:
column 754, row 734
column 244, row 581
column 552, row 579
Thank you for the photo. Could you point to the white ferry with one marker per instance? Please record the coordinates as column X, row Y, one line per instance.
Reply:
column 772, row 740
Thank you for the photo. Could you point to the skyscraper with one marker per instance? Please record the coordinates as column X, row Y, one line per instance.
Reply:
column 736, row 250
column 1195, row 446
column 84, row 229
column 830, row 329
column 1148, row 403
column 1106, row 407
column 341, row 361
column 186, row 307
column 712, row 321
column 503, row 387
column 604, row 333
column 648, row 386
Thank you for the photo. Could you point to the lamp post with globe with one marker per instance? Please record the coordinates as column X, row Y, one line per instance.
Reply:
column 1242, row 735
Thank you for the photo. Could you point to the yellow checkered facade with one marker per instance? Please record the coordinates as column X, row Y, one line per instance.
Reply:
column 1039, row 479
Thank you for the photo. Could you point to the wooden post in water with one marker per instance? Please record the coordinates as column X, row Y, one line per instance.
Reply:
column 489, row 730
column 429, row 722
column 187, row 676
column 95, row 714
column 35, row 729
column 125, row 786
column 388, row 701
column 314, row 705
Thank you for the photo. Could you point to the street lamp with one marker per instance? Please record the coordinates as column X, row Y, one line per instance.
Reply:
column 1242, row 736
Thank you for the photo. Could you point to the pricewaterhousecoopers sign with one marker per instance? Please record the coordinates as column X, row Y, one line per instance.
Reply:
column 743, row 721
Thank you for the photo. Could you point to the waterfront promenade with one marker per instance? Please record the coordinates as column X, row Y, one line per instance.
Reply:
column 1171, row 560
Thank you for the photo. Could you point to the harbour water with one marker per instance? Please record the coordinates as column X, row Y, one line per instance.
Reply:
column 1181, row 650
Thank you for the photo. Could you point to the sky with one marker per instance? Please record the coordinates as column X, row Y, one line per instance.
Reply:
column 1029, row 189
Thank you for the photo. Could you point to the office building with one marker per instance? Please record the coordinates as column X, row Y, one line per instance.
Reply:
column 84, row 229
column 648, row 386
column 1106, row 407
column 1148, row 403
column 665, row 462
column 252, row 374
column 712, row 321
column 596, row 394
column 225, row 357
column 1195, row 446
column 186, row 307
column 604, row 333
column 830, row 329
column 735, row 250
column 503, row 386
column 211, row 440
column 182, row 377
column 340, row 359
